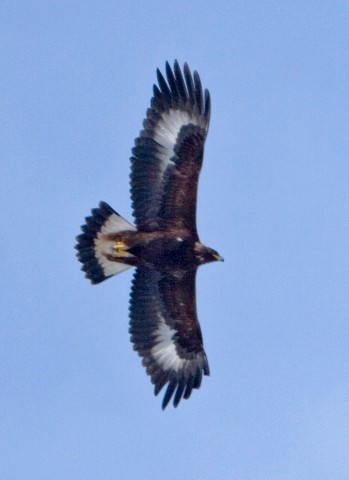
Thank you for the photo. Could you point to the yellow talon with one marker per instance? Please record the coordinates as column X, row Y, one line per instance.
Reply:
column 121, row 249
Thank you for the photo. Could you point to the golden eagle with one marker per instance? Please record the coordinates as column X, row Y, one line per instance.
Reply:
column 163, row 245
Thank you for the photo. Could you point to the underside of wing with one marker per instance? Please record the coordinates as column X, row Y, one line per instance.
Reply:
column 166, row 333
column 168, row 154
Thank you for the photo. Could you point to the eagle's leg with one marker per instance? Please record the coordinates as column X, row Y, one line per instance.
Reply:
column 121, row 249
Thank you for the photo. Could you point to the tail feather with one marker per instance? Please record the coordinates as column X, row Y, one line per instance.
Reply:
column 92, row 247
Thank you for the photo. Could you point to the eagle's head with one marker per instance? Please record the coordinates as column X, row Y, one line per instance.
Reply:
column 205, row 254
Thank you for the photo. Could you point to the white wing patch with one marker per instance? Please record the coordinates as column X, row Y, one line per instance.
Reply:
column 114, row 224
column 164, row 352
column 167, row 130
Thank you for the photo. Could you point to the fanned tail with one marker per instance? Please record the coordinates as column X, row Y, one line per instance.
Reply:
column 92, row 247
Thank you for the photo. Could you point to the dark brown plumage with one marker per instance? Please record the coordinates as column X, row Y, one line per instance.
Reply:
column 164, row 246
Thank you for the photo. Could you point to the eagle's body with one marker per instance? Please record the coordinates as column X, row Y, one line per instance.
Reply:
column 164, row 246
column 160, row 250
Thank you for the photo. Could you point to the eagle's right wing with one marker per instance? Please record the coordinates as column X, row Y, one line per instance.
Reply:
column 165, row 331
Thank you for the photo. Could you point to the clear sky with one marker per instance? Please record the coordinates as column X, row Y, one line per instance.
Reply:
column 76, row 79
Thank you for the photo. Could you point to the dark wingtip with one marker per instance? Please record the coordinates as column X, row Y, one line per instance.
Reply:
column 163, row 85
column 180, row 89
column 207, row 110
column 198, row 91
column 178, row 394
column 168, row 394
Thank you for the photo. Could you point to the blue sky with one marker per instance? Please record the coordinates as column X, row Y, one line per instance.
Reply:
column 76, row 79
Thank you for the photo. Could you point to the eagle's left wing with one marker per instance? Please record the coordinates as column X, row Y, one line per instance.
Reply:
column 168, row 154
column 165, row 331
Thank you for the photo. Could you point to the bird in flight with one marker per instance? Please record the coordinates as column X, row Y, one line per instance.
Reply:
column 163, row 245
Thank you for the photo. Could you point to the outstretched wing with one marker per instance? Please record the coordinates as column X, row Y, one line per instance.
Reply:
column 166, row 333
column 168, row 154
